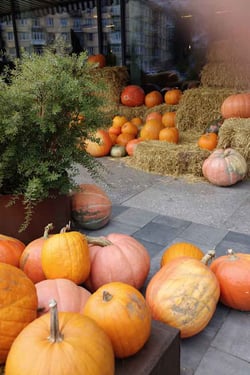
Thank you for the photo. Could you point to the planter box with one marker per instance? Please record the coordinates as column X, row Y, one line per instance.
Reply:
column 52, row 210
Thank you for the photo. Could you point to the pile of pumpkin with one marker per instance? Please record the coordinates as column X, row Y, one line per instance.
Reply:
column 70, row 303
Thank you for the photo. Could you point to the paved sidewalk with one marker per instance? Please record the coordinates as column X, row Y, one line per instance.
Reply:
column 160, row 210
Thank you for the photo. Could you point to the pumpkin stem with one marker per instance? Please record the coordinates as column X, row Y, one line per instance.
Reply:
column 55, row 334
column 66, row 228
column 231, row 254
column 46, row 230
column 208, row 256
column 106, row 296
column 101, row 241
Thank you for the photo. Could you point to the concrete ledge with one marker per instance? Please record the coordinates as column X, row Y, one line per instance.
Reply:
column 159, row 356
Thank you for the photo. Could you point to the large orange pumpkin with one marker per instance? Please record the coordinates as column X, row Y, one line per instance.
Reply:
column 131, row 146
column 30, row 261
column 237, row 105
column 61, row 343
column 169, row 135
column 18, row 305
column 208, row 141
column 151, row 130
column 66, row 256
column 155, row 115
column 153, row 98
column 91, row 207
column 121, row 311
column 129, row 128
column 233, row 273
column 132, row 96
column 224, row 167
column 11, row 249
column 184, row 294
column 179, row 249
column 173, row 96
column 69, row 296
column 123, row 139
column 168, row 119
column 117, row 257
column 98, row 59
column 100, row 144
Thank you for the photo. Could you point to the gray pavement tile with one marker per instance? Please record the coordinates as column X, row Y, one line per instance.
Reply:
column 234, row 336
column 240, row 220
column 193, row 349
column 217, row 362
column 203, row 234
column 112, row 227
column 135, row 216
column 153, row 248
column 224, row 245
column 157, row 233
column 171, row 221
column 239, row 238
column 117, row 210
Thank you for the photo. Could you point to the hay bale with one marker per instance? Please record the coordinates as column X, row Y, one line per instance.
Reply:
column 165, row 158
column 226, row 74
column 235, row 133
column 199, row 106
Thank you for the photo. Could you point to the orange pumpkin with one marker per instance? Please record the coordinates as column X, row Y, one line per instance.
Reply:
column 181, row 249
column 129, row 128
column 132, row 96
column 137, row 121
column 224, row 167
column 237, row 105
column 208, row 141
column 169, row 135
column 114, row 130
column 66, row 256
column 233, row 273
column 119, row 120
column 61, row 343
column 131, row 146
column 18, row 305
column 69, row 296
column 168, row 119
column 123, row 138
column 117, row 257
column 91, row 207
column 184, row 294
column 121, row 311
column 154, row 115
column 153, row 98
column 100, row 145
column 11, row 249
column 151, row 130
column 173, row 96
column 98, row 59
column 30, row 260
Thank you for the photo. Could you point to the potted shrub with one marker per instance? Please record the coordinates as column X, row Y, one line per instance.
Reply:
column 47, row 109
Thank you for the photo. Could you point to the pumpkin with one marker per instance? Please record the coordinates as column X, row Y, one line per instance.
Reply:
column 121, row 311
column 151, row 130
column 131, row 146
column 11, row 249
column 61, row 343
column 153, row 98
column 91, row 207
column 154, row 115
column 184, row 294
column 233, row 273
column 18, row 305
column 114, row 130
column 208, row 141
column 169, row 135
column 30, row 260
column 119, row 120
column 137, row 121
column 99, row 145
column 118, row 151
column 132, row 96
column 117, row 257
column 129, row 128
column 237, row 105
column 172, row 96
column 69, row 296
column 65, row 255
column 224, row 167
column 113, row 138
column 123, row 139
column 98, row 59
column 181, row 249
column 168, row 119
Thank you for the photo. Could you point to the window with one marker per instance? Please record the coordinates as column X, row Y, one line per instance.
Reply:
column 50, row 22
column 24, row 36
column 10, row 35
column 64, row 22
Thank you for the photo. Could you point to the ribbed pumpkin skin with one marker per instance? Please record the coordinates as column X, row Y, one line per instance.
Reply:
column 233, row 274
column 184, row 294
column 125, row 260
column 237, row 105
column 132, row 96
column 122, row 312
column 85, row 349
column 11, row 250
column 66, row 256
column 18, row 305
column 91, row 208
column 181, row 249
column 69, row 296
column 224, row 167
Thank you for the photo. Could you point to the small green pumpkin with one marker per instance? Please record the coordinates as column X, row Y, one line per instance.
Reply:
column 118, row 151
